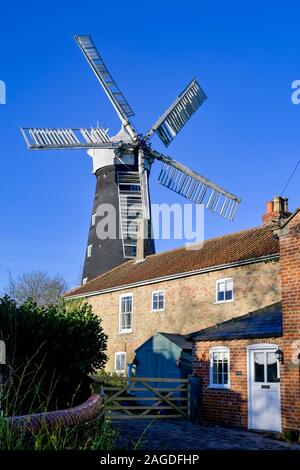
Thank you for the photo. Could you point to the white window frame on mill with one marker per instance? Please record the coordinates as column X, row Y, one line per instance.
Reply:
column 158, row 293
column 224, row 281
column 122, row 354
column 121, row 313
column 219, row 350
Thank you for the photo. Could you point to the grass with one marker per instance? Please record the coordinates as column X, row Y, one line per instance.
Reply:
column 94, row 435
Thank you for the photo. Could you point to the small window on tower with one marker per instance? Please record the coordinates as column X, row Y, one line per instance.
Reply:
column 89, row 251
column 93, row 219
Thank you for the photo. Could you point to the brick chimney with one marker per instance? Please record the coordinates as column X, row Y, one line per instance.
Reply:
column 143, row 246
column 289, row 242
column 277, row 209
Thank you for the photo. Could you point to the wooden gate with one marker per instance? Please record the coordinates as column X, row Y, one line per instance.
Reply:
column 144, row 397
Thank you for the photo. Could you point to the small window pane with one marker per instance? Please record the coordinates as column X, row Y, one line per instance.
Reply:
column 259, row 367
column 228, row 295
column 126, row 321
column 221, row 286
column 161, row 297
column 220, row 296
column 126, row 304
column 272, row 370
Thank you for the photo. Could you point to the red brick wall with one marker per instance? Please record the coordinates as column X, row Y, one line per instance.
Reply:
column 290, row 284
column 226, row 406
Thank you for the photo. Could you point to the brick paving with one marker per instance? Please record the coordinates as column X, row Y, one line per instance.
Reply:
column 184, row 435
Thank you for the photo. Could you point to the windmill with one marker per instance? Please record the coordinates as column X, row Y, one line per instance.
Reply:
column 122, row 164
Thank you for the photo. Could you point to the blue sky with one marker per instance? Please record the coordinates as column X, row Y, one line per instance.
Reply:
column 245, row 137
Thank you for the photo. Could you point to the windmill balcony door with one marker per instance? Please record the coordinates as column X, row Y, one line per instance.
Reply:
column 264, row 406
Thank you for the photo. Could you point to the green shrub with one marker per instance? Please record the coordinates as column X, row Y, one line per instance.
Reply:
column 50, row 351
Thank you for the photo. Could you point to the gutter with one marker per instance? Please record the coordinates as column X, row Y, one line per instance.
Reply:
column 274, row 257
column 235, row 337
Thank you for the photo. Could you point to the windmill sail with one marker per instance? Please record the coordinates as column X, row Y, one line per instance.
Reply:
column 196, row 187
column 177, row 115
column 47, row 139
column 110, row 87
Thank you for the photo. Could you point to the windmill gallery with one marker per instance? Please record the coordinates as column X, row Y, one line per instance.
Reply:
column 154, row 306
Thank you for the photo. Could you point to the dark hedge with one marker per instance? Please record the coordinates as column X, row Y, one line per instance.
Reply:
column 50, row 352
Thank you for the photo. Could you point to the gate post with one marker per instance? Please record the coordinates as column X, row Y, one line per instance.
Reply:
column 195, row 399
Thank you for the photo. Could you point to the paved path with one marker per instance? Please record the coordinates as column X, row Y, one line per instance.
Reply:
column 184, row 435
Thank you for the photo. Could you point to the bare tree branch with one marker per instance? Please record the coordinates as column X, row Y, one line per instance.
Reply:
column 36, row 285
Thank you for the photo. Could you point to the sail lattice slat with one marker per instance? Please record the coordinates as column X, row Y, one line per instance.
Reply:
column 198, row 189
column 51, row 138
column 177, row 115
column 92, row 55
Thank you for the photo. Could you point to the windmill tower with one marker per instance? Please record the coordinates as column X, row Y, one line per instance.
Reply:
column 122, row 165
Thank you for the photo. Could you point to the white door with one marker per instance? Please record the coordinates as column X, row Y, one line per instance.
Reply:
column 264, row 410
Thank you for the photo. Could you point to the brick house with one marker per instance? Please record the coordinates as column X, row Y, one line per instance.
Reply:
column 237, row 362
column 250, row 365
column 184, row 290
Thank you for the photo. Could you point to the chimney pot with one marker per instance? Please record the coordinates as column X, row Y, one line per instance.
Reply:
column 269, row 207
column 276, row 209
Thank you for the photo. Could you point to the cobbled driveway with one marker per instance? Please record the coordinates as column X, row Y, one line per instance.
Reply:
column 184, row 435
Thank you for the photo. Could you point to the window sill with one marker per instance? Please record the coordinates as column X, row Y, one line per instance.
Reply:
column 215, row 387
column 125, row 332
column 223, row 302
column 158, row 310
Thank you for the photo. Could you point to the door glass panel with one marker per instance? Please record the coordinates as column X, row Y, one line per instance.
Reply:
column 272, row 371
column 259, row 367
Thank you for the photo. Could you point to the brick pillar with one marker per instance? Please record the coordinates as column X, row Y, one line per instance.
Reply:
column 289, row 238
